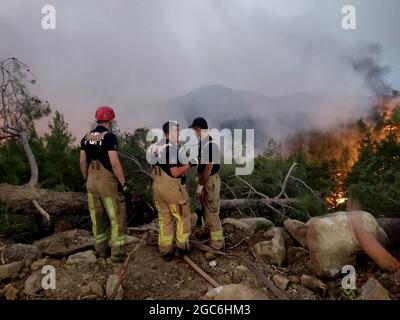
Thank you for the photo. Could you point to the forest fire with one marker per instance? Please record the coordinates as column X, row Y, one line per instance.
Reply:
column 339, row 148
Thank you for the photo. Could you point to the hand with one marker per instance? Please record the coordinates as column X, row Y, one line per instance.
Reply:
column 123, row 189
column 200, row 197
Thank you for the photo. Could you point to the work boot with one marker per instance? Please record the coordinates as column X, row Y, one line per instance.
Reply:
column 179, row 253
column 119, row 257
column 102, row 250
column 167, row 256
column 117, row 254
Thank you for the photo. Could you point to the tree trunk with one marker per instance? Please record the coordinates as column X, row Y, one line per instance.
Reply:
column 232, row 204
column 31, row 159
column 19, row 200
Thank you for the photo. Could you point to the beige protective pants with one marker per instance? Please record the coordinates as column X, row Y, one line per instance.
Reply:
column 172, row 203
column 104, row 200
column 211, row 211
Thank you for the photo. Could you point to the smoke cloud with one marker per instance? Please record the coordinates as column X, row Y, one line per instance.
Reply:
column 275, row 65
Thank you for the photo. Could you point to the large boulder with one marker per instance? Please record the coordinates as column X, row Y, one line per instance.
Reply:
column 297, row 230
column 19, row 251
column 65, row 243
column 274, row 248
column 9, row 270
column 234, row 292
column 332, row 242
column 249, row 225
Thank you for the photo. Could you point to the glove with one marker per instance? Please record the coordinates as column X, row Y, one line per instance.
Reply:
column 200, row 195
column 123, row 189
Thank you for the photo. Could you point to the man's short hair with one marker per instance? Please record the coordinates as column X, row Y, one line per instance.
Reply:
column 169, row 126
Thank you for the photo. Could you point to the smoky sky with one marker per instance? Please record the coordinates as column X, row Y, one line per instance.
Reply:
column 133, row 54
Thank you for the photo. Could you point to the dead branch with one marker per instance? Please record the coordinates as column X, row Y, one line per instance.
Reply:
column 122, row 270
column 41, row 210
column 135, row 161
column 285, row 181
column 200, row 271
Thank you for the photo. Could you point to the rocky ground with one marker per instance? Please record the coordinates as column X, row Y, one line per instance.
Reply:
column 273, row 251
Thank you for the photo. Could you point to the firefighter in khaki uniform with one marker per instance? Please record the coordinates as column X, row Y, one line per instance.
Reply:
column 105, row 184
column 170, row 196
column 209, row 183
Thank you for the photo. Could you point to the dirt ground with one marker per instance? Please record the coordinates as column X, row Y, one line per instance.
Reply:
column 148, row 276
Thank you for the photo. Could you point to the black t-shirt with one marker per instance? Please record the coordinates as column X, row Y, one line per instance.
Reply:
column 98, row 150
column 168, row 158
column 208, row 153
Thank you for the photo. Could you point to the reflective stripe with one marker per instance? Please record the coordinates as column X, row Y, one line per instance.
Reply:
column 98, row 238
column 217, row 235
column 120, row 241
column 181, row 237
column 109, row 204
column 162, row 239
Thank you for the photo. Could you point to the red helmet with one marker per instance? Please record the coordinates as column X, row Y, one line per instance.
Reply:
column 105, row 113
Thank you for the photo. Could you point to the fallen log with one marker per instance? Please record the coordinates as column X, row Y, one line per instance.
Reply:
column 19, row 200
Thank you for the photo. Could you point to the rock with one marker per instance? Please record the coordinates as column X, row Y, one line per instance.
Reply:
column 273, row 249
column 39, row 264
column 85, row 289
column 10, row 293
column 312, row 283
column 65, row 243
column 28, row 263
column 332, row 242
column 112, row 282
column 18, row 251
column 293, row 254
column 294, row 279
column 373, row 290
column 210, row 256
column 392, row 228
column 234, row 292
column 249, row 225
column 10, row 270
column 280, row 281
column 297, row 230
column 96, row 288
column 85, row 257
column 33, row 284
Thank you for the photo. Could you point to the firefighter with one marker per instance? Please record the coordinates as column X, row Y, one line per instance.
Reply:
column 105, row 184
column 170, row 196
column 209, row 183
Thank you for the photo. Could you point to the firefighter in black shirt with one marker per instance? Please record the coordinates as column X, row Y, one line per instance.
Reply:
column 209, row 183
column 105, row 181
column 170, row 196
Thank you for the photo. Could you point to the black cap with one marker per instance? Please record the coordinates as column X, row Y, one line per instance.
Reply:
column 169, row 125
column 199, row 123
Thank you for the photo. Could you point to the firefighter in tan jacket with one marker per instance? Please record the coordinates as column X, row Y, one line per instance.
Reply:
column 105, row 183
column 209, row 183
column 170, row 196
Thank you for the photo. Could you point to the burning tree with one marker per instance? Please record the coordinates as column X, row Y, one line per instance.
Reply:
column 19, row 108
